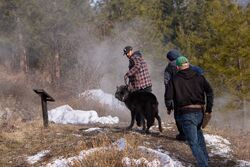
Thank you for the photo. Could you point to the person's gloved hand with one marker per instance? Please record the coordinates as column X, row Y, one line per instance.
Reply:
column 130, row 88
column 169, row 105
column 169, row 112
column 206, row 118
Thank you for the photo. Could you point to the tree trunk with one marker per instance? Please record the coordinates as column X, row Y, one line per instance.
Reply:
column 23, row 56
column 57, row 70
column 244, row 112
column 21, row 49
column 243, row 99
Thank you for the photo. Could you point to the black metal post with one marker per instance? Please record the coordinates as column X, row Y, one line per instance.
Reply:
column 45, row 112
column 44, row 98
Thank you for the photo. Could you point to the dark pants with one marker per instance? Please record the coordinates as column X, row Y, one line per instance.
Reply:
column 191, row 126
column 138, row 117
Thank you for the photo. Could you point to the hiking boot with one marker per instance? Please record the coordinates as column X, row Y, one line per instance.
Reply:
column 180, row 137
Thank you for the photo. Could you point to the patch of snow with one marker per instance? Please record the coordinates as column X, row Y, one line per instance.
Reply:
column 165, row 160
column 34, row 158
column 243, row 163
column 66, row 115
column 65, row 162
column 161, row 150
column 128, row 162
column 219, row 145
column 92, row 129
column 77, row 135
column 105, row 99
column 107, row 120
column 121, row 144
column 161, row 159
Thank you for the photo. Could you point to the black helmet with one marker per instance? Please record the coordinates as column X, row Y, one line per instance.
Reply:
column 127, row 49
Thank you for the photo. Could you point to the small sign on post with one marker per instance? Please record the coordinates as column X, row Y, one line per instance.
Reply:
column 44, row 98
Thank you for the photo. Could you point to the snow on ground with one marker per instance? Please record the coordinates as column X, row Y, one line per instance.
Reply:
column 93, row 129
column 164, row 158
column 105, row 99
column 138, row 162
column 219, row 145
column 65, row 162
column 33, row 159
column 66, row 115
column 161, row 159
column 243, row 163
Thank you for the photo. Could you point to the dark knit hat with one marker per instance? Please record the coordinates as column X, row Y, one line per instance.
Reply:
column 127, row 49
column 173, row 54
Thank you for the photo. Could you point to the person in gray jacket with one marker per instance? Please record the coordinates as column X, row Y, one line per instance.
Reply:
column 169, row 72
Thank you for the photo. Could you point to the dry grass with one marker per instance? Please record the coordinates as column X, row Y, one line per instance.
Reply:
column 18, row 101
column 25, row 139
column 111, row 157
column 30, row 138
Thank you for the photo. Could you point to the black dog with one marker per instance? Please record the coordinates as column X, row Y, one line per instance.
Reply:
column 143, row 103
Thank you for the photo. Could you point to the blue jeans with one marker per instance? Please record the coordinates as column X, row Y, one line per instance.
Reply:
column 191, row 125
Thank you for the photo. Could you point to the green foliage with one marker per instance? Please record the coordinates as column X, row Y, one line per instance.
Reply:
column 230, row 49
column 220, row 43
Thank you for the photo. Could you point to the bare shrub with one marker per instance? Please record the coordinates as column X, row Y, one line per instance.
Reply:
column 82, row 77
column 110, row 156
column 17, row 99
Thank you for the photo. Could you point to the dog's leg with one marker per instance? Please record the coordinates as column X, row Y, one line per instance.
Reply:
column 159, row 122
column 132, row 120
column 138, row 119
column 143, row 122
column 149, row 124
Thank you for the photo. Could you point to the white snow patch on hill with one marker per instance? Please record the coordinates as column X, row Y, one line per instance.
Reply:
column 66, row 115
column 243, row 163
column 165, row 160
column 34, row 158
column 92, row 129
column 128, row 162
column 219, row 145
column 161, row 159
